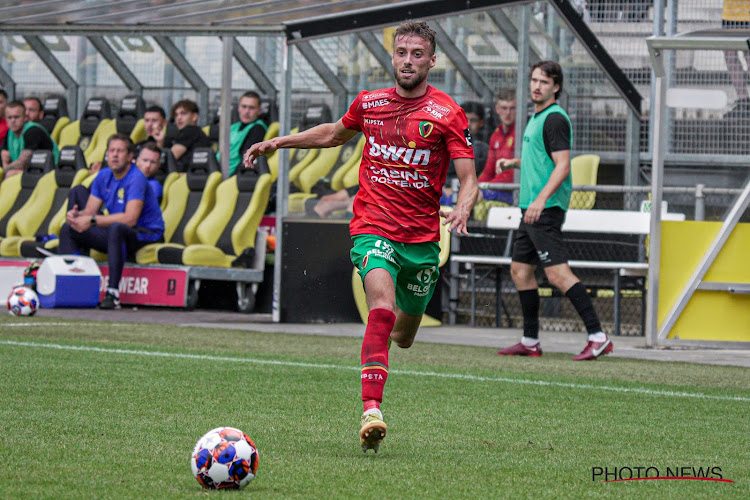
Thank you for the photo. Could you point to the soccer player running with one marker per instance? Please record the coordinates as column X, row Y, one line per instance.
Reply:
column 413, row 131
column 546, row 184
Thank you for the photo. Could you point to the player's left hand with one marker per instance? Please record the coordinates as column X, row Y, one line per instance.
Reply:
column 457, row 219
column 534, row 211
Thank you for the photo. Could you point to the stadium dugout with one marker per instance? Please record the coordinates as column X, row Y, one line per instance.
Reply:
column 296, row 52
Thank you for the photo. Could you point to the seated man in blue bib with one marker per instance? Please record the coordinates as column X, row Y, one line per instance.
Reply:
column 134, row 218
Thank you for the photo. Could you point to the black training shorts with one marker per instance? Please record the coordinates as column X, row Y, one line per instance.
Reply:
column 541, row 243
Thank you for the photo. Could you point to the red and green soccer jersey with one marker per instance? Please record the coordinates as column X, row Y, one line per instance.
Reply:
column 409, row 145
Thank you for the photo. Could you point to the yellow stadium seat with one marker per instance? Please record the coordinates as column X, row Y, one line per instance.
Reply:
column 69, row 134
column 60, row 124
column 16, row 190
column 139, row 132
column 191, row 198
column 585, row 169
column 231, row 227
column 329, row 164
column 359, row 290
column 98, row 145
column 46, row 207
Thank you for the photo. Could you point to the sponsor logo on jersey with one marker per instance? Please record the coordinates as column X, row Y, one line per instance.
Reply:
column 398, row 177
column 436, row 110
column 408, row 156
column 121, row 195
column 375, row 104
column 370, row 121
column 374, row 95
column 510, row 141
column 467, row 135
column 425, row 129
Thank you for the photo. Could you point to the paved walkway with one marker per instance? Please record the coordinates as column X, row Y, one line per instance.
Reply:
column 571, row 343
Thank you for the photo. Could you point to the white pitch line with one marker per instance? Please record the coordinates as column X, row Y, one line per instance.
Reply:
column 458, row 376
column 38, row 323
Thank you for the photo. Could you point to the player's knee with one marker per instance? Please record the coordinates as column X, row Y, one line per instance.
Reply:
column 403, row 343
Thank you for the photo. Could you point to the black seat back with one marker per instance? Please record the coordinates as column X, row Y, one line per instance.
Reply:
column 132, row 108
column 167, row 165
column 55, row 107
column 70, row 162
column 96, row 110
column 315, row 114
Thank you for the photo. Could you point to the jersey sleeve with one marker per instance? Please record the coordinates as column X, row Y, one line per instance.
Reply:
column 97, row 187
column 136, row 189
column 352, row 118
column 458, row 138
column 556, row 133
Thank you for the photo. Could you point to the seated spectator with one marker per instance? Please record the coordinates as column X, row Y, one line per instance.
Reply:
column 34, row 109
column 3, row 123
column 501, row 148
column 189, row 135
column 475, row 115
column 22, row 139
column 155, row 124
column 246, row 132
column 134, row 218
column 148, row 161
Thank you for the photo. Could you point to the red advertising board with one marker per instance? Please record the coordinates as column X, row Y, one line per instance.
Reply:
column 149, row 286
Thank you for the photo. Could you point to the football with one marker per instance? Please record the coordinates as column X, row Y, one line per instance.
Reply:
column 224, row 458
column 22, row 301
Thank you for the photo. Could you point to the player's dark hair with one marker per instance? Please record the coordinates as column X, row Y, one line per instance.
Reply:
column 507, row 94
column 124, row 138
column 16, row 104
column 417, row 28
column 187, row 105
column 156, row 109
column 3, row 93
column 475, row 108
column 551, row 69
column 251, row 94
column 151, row 146
column 38, row 101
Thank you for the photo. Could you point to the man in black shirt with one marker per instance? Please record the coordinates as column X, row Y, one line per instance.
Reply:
column 23, row 138
column 189, row 135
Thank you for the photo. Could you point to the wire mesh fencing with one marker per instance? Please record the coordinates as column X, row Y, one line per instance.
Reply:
column 492, row 301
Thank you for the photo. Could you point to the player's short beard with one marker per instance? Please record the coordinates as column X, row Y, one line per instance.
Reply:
column 409, row 85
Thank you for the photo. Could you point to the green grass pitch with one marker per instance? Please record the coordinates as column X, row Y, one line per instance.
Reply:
column 99, row 410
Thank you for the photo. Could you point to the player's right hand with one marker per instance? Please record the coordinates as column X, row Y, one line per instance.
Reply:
column 263, row 148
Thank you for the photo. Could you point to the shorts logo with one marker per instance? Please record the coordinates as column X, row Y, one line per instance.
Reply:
column 382, row 249
column 364, row 262
column 543, row 256
column 425, row 275
column 425, row 129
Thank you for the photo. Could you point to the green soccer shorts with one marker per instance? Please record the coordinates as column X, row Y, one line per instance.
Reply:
column 413, row 267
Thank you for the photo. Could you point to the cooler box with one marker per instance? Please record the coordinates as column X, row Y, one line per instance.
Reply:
column 68, row 281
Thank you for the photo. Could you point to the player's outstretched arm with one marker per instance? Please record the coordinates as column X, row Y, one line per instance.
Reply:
column 467, row 196
column 325, row 135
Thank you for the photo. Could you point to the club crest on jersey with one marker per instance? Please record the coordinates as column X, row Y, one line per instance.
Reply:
column 425, row 129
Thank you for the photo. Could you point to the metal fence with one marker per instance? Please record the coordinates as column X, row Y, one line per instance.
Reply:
column 495, row 299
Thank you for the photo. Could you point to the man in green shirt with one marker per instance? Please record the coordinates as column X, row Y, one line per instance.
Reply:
column 23, row 138
column 246, row 132
column 546, row 184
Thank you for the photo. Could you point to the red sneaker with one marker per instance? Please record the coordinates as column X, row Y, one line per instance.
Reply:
column 521, row 350
column 595, row 349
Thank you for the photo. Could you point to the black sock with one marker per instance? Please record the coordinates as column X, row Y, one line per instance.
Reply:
column 581, row 300
column 530, row 310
